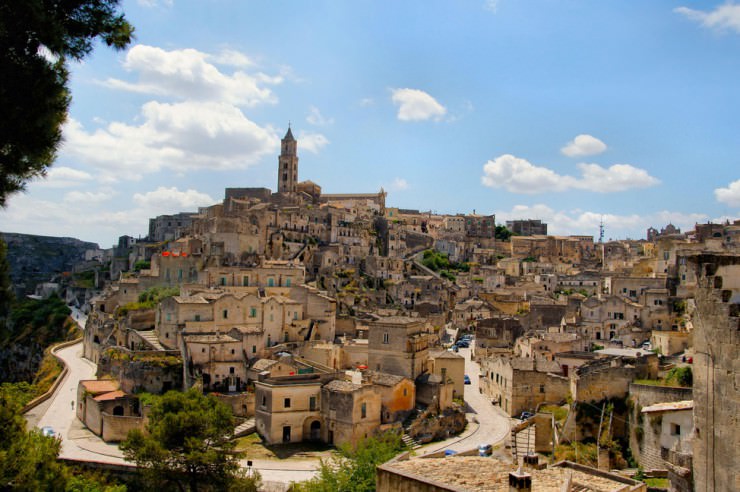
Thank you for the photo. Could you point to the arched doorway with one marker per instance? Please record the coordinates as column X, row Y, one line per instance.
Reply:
column 315, row 432
column 118, row 410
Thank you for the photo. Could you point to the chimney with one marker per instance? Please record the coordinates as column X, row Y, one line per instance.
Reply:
column 520, row 481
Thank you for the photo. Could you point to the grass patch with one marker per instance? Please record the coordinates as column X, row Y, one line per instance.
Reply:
column 661, row 483
column 253, row 448
column 558, row 412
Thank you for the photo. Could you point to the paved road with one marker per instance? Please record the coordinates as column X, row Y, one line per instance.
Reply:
column 493, row 424
column 79, row 443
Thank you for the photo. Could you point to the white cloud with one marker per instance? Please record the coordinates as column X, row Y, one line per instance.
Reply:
column 730, row 195
column 231, row 58
column 399, row 184
column 182, row 136
column 312, row 142
column 316, row 118
column 491, row 5
column 587, row 222
column 518, row 175
column 170, row 200
column 187, row 74
column 156, row 3
column 416, row 105
column 722, row 18
column 367, row 101
column 583, row 145
column 617, row 177
column 89, row 197
column 62, row 177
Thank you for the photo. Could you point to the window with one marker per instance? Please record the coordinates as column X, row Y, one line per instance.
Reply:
column 231, row 369
column 254, row 349
column 223, row 281
column 542, row 388
column 363, row 410
column 271, row 282
column 264, row 400
column 444, row 374
column 386, row 338
column 287, row 403
column 287, row 282
column 225, row 313
column 245, row 281
column 197, row 317
column 675, row 430
column 312, row 403
column 232, row 353
column 252, row 312
column 405, row 392
column 169, row 316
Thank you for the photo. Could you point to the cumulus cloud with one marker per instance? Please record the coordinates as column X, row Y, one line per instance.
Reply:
column 312, row 142
column 722, row 18
column 188, row 74
column 399, row 184
column 62, row 177
column 170, row 200
column 563, row 222
column 181, row 136
column 89, row 197
column 583, row 145
column 491, row 5
column 417, row 105
column 518, row 175
column 730, row 195
column 316, row 118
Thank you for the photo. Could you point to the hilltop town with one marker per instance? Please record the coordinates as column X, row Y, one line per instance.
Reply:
column 332, row 317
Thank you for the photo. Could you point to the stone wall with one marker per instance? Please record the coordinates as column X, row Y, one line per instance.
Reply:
column 117, row 427
column 717, row 372
column 242, row 404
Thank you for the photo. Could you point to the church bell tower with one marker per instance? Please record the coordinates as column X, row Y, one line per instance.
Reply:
column 288, row 164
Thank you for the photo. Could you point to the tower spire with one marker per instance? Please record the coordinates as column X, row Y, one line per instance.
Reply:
column 288, row 163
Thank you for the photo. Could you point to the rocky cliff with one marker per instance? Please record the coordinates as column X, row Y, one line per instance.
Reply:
column 37, row 259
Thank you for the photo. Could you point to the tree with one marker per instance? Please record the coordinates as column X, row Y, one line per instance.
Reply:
column 355, row 469
column 502, row 233
column 187, row 444
column 36, row 39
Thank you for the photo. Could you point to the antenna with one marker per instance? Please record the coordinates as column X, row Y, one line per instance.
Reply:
column 601, row 230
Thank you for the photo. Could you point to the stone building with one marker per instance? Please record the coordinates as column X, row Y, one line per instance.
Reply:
column 528, row 227
column 519, row 385
column 716, row 384
column 399, row 345
column 449, row 366
column 288, row 408
column 350, row 411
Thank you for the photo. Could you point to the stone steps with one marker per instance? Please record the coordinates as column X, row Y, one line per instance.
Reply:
column 151, row 338
column 246, row 427
column 410, row 442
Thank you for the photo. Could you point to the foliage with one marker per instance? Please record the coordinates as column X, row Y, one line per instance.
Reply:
column 187, row 444
column 28, row 460
column 558, row 412
column 578, row 452
column 85, row 280
column 679, row 307
column 142, row 265
column 681, row 376
column 148, row 299
column 6, row 287
column 354, row 470
column 33, row 85
column 529, row 259
column 502, row 233
column 678, row 376
column 41, row 321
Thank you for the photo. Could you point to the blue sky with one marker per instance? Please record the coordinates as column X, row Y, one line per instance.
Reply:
column 566, row 111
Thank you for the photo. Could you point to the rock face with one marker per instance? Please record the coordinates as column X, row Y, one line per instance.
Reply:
column 37, row 259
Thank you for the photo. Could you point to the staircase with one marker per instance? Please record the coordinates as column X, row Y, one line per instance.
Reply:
column 246, row 427
column 151, row 338
column 410, row 442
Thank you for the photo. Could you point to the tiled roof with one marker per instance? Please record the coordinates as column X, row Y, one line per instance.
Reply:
column 99, row 386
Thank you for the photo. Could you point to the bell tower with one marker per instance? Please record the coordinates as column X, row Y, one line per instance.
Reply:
column 288, row 164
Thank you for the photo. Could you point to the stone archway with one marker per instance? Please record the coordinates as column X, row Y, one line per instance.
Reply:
column 312, row 429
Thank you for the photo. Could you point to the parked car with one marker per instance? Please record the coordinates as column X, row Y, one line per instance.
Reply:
column 466, row 379
column 47, row 431
column 485, row 450
column 455, row 348
column 526, row 415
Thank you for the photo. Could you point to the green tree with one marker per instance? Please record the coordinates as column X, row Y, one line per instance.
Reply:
column 355, row 469
column 502, row 233
column 187, row 444
column 36, row 39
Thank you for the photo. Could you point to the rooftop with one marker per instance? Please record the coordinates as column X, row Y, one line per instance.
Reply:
column 490, row 474
column 98, row 386
column 669, row 406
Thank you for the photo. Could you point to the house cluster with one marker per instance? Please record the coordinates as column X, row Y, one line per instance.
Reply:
column 328, row 316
